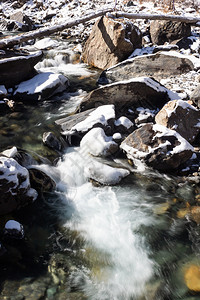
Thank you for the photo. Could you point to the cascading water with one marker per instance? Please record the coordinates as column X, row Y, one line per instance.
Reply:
column 108, row 219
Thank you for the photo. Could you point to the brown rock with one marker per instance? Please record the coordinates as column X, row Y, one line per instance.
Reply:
column 195, row 96
column 182, row 117
column 110, row 42
column 158, row 147
column 192, row 277
column 168, row 31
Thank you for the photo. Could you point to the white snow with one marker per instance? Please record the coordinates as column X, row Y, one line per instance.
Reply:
column 3, row 91
column 101, row 115
column 11, row 224
column 46, row 43
column 97, row 143
column 123, row 121
column 104, row 173
column 9, row 59
column 10, row 152
column 41, row 82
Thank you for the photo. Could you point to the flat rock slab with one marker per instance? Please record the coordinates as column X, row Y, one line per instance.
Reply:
column 159, row 65
column 17, row 66
column 136, row 92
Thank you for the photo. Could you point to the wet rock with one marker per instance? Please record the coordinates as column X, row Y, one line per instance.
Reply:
column 41, row 87
column 50, row 140
column 133, row 93
column 110, row 42
column 14, row 229
column 159, row 65
column 168, row 31
column 192, row 277
column 17, row 66
column 182, row 117
column 159, row 147
column 195, row 96
column 97, row 143
column 41, row 181
column 15, row 186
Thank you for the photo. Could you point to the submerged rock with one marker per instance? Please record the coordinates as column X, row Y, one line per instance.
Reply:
column 41, row 87
column 110, row 42
column 159, row 147
column 182, row 117
column 159, row 65
column 192, row 277
column 15, row 186
column 133, row 93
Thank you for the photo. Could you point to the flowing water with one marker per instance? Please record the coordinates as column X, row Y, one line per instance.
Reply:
column 123, row 242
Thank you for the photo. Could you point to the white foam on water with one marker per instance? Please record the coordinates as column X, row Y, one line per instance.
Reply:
column 108, row 218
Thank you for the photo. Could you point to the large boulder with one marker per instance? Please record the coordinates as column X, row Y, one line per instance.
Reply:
column 195, row 96
column 182, row 117
column 110, row 42
column 17, row 66
column 157, row 146
column 159, row 65
column 15, row 186
column 168, row 31
column 136, row 92
column 41, row 87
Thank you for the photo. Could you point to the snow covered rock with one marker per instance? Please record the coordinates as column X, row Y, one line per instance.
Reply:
column 14, row 186
column 3, row 91
column 17, row 66
column 135, row 92
column 162, row 31
column 95, row 142
column 181, row 116
column 103, row 117
column 105, row 174
column 41, row 87
column 157, row 146
column 145, row 115
column 124, row 125
column 110, row 42
column 159, row 65
column 14, row 229
column 195, row 96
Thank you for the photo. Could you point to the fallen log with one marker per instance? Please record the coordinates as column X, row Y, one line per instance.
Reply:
column 192, row 20
column 46, row 31
column 39, row 33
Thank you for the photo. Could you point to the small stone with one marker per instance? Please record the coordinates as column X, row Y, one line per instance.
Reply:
column 117, row 137
column 192, row 278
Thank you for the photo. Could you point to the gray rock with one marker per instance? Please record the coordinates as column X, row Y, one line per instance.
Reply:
column 17, row 66
column 110, row 42
column 14, row 229
column 137, row 92
column 159, row 65
column 158, row 147
column 50, row 140
column 168, row 31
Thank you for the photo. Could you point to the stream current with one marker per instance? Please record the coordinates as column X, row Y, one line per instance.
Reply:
column 123, row 242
